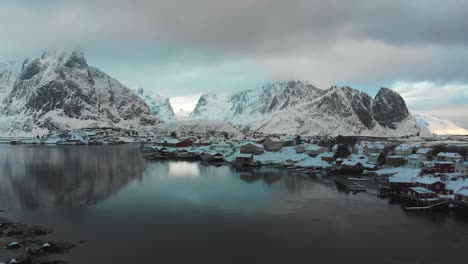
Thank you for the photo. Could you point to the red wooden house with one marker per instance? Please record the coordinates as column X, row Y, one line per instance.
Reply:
column 351, row 166
column 175, row 143
column 398, row 183
column 419, row 193
column 434, row 184
column 444, row 167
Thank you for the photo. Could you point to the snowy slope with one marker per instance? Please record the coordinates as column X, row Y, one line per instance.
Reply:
column 8, row 73
column 181, row 115
column 296, row 107
column 439, row 126
column 59, row 91
column 159, row 105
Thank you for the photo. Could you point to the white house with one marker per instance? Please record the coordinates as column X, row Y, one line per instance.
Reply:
column 374, row 148
column 414, row 161
column 461, row 167
column 425, row 151
column 448, row 156
column 404, row 150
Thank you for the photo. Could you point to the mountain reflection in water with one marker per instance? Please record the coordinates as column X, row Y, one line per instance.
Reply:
column 65, row 176
column 137, row 211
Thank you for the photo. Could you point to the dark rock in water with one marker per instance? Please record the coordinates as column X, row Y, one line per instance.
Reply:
column 13, row 245
column 14, row 232
column 35, row 251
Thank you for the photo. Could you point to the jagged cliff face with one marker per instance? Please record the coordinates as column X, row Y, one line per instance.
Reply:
column 60, row 91
column 160, row 106
column 299, row 108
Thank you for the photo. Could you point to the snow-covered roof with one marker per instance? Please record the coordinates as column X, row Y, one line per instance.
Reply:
column 414, row 156
column 376, row 146
column 327, row 155
column 423, row 150
column 252, row 143
column 274, row 139
column 400, row 179
column 463, row 191
column 456, row 185
column 449, row 155
column 444, row 162
column 374, row 155
column 428, row 180
column 240, row 155
column 421, row 190
column 351, row 163
column 403, row 148
column 313, row 148
column 171, row 140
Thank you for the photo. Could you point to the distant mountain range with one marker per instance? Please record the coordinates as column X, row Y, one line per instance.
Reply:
column 60, row 91
column 296, row 107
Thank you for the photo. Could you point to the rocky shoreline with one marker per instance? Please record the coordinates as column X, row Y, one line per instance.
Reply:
column 27, row 244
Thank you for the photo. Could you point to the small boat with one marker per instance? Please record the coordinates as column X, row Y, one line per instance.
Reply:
column 15, row 142
column 356, row 179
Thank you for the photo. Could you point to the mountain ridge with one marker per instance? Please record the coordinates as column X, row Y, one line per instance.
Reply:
column 60, row 91
column 295, row 107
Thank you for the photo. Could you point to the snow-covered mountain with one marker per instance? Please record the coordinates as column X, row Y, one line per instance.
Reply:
column 439, row 126
column 159, row 105
column 296, row 107
column 60, row 91
column 181, row 114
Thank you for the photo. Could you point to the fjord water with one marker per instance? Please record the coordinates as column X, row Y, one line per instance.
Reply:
column 135, row 211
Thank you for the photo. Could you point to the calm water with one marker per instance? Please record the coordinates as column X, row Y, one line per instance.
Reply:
column 134, row 211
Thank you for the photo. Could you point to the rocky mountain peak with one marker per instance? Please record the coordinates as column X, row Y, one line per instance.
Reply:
column 389, row 108
column 58, row 90
column 160, row 106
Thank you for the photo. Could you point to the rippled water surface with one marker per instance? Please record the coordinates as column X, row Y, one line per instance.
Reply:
column 134, row 211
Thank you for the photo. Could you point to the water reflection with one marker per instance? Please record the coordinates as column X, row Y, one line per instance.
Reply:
column 117, row 177
column 184, row 170
column 40, row 176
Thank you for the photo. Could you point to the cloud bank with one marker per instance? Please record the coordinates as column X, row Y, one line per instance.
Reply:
column 184, row 47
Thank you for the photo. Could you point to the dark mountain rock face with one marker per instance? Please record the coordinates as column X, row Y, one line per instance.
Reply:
column 60, row 91
column 389, row 108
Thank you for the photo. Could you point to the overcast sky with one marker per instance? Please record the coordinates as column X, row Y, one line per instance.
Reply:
column 183, row 48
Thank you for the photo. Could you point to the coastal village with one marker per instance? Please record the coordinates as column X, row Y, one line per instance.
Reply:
column 421, row 172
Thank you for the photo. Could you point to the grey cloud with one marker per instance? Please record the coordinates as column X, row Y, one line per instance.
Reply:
column 324, row 40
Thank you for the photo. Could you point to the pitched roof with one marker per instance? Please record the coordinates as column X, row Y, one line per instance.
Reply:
column 423, row 150
column 414, row 156
column 421, row 190
column 172, row 140
column 253, row 144
column 449, row 155
column 428, row 180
